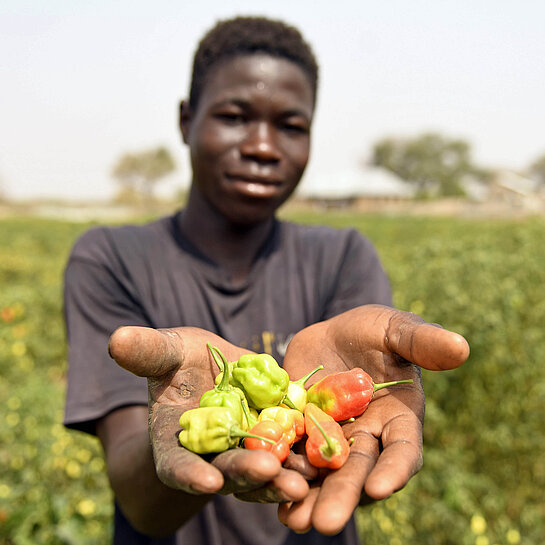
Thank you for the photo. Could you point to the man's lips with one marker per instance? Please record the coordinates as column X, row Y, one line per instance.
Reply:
column 255, row 186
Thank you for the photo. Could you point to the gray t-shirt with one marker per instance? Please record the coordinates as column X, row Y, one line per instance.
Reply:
column 150, row 275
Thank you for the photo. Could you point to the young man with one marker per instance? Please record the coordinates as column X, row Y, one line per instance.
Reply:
column 225, row 270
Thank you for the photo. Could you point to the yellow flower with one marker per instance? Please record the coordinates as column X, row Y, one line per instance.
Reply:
column 73, row 469
column 86, row 508
column 478, row 524
column 84, row 455
column 18, row 349
column 386, row 525
column 513, row 537
column 482, row 540
column 96, row 465
column 417, row 307
column 5, row 490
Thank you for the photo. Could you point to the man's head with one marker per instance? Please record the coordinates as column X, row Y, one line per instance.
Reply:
column 248, row 120
column 247, row 36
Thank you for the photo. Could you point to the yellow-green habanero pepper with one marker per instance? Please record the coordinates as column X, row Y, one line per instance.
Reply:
column 211, row 429
column 296, row 397
column 262, row 380
column 225, row 395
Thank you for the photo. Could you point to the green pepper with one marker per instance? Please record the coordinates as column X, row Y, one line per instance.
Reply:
column 211, row 429
column 225, row 395
column 263, row 381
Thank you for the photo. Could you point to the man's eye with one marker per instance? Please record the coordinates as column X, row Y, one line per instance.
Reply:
column 295, row 128
column 230, row 117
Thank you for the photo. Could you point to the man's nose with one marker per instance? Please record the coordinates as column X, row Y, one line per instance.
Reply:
column 260, row 144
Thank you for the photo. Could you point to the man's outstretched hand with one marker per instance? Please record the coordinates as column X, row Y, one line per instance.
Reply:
column 387, row 447
column 179, row 369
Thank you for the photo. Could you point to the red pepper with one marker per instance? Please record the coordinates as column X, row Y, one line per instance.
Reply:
column 270, row 430
column 326, row 445
column 346, row 394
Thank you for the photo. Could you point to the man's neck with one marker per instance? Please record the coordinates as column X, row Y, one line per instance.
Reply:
column 231, row 246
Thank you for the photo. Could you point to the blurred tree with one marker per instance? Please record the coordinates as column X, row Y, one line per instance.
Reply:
column 537, row 171
column 137, row 173
column 436, row 164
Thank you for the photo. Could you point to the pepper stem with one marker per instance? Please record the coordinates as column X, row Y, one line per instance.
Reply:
column 332, row 446
column 224, row 366
column 237, row 432
column 386, row 384
column 287, row 401
column 246, row 410
column 303, row 381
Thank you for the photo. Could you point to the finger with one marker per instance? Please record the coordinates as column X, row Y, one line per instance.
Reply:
column 176, row 466
column 300, row 463
column 287, row 486
column 298, row 515
column 154, row 353
column 184, row 470
column 400, row 458
column 246, row 469
column 424, row 344
column 145, row 351
column 341, row 490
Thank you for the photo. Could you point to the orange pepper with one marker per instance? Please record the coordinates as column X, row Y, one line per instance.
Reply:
column 326, row 445
column 291, row 420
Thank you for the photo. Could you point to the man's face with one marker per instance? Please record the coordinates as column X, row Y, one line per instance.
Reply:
column 249, row 136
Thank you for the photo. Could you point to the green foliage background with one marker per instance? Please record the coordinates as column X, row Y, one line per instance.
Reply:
column 484, row 469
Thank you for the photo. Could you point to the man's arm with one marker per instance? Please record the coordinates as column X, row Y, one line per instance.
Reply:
column 152, row 507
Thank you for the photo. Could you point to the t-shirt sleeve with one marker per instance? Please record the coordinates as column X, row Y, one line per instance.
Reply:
column 360, row 279
column 98, row 298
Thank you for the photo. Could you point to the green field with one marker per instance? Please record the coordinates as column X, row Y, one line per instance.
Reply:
column 483, row 478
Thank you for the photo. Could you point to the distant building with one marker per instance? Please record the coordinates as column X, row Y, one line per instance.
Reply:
column 351, row 187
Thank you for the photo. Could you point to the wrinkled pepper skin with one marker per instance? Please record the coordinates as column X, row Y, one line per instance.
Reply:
column 262, row 380
column 230, row 400
column 211, row 429
column 346, row 394
column 291, row 421
column 225, row 395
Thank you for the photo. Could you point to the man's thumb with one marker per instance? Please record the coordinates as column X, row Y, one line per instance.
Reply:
column 145, row 351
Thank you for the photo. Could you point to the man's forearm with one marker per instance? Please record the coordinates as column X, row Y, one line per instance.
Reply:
column 151, row 507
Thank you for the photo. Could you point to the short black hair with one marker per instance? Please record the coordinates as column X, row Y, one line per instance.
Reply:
column 245, row 36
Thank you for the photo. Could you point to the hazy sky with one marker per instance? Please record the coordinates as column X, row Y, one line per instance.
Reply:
column 83, row 82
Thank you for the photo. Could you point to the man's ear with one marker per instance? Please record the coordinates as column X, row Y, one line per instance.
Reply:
column 184, row 120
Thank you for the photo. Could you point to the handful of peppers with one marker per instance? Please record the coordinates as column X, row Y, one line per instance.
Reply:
column 255, row 400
